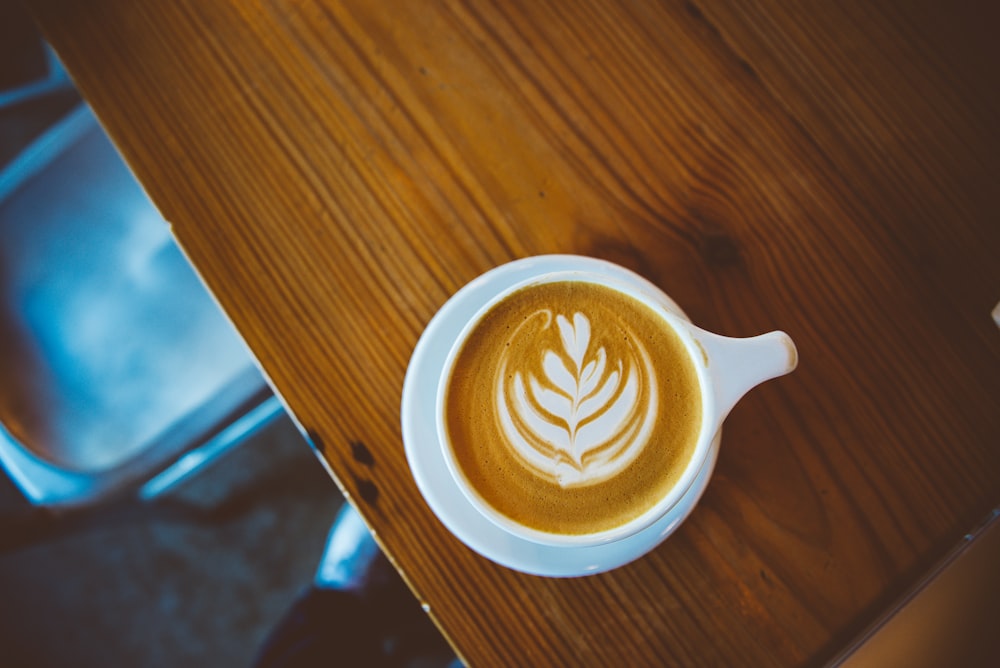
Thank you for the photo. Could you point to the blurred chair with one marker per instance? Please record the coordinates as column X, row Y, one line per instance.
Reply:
column 119, row 374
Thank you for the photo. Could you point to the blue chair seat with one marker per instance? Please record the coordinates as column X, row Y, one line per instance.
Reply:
column 115, row 360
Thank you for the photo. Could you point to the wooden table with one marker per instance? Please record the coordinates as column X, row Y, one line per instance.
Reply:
column 336, row 170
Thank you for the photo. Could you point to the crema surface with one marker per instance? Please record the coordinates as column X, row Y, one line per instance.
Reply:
column 572, row 408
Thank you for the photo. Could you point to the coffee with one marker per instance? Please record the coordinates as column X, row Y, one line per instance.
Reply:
column 572, row 408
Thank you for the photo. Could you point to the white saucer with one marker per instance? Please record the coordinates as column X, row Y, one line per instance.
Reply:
column 431, row 473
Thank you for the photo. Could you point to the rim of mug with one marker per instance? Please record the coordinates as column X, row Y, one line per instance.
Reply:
column 637, row 288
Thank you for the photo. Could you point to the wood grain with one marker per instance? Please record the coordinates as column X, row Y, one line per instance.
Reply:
column 336, row 170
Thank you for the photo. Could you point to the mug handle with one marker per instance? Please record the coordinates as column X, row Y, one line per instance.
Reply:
column 737, row 365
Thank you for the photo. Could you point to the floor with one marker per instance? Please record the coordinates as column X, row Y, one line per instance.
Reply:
column 196, row 579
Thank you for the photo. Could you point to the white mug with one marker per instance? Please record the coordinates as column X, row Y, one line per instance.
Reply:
column 726, row 369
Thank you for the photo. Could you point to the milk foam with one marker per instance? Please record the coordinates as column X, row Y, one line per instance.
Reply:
column 586, row 418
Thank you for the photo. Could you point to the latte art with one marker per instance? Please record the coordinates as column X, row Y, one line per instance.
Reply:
column 571, row 407
column 587, row 417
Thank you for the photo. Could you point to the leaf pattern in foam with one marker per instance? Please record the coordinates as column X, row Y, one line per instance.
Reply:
column 572, row 416
column 579, row 393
